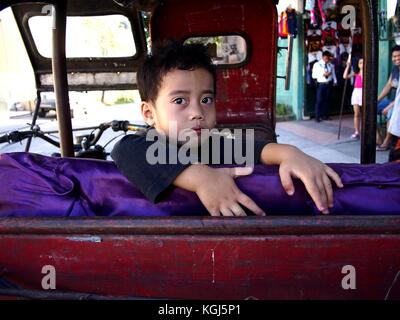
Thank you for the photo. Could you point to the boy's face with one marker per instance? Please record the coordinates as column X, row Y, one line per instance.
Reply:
column 396, row 58
column 185, row 100
column 326, row 59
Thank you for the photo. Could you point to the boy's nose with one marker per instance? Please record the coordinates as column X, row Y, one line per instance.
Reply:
column 196, row 112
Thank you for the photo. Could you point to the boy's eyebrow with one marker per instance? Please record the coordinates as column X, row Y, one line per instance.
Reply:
column 177, row 92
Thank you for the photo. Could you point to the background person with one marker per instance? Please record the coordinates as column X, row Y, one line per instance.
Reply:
column 356, row 97
column 387, row 96
column 324, row 73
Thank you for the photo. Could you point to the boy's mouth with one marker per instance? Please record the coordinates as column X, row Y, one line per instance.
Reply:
column 197, row 130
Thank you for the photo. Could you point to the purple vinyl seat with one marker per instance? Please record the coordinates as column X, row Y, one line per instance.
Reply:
column 33, row 185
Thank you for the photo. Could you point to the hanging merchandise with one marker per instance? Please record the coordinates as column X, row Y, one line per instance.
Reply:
column 345, row 42
column 313, row 14
column 329, row 39
column 321, row 11
column 357, row 41
column 313, row 47
column 283, row 29
column 325, row 6
column 313, row 43
column 310, row 5
column 292, row 21
column 329, row 5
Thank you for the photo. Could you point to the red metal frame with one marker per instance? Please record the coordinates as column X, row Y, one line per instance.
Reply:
column 190, row 258
column 265, row 258
column 245, row 94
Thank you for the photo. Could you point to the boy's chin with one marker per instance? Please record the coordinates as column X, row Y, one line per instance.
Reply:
column 193, row 140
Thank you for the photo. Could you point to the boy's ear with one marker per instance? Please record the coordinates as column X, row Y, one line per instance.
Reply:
column 147, row 113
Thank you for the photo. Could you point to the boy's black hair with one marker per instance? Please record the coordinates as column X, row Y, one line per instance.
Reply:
column 395, row 48
column 170, row 55
column 327, row 53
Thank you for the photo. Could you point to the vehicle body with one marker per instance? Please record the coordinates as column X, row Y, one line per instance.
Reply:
column 203, row 257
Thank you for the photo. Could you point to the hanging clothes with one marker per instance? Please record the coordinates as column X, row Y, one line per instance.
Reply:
column 314, row 53
column 329, row 34
column 329, row 5
column 313, row 15
column 283, row 29
column 345, row 42
column 310, row 5
column 324, row 6
column 321, row 10
column 292, row 22
column 357, row 41
column 329, row 38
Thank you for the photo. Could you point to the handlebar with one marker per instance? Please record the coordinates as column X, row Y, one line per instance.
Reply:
column 90, row 141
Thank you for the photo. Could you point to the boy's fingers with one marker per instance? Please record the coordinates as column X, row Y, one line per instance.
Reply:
column 287, row 182
column 226, row 212
column 250, row 204
column 313, row 191
column 237, row 210
column 334, row 176
column 241, row 171
column 213, row 212
column 328, row 190
column 323, row 195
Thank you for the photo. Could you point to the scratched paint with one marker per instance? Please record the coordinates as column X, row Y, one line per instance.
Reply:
column 213, row 265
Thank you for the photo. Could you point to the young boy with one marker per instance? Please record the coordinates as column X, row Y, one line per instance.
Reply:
column 177, row 87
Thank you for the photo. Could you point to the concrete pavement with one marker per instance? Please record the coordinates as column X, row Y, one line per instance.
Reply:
column 320, row 140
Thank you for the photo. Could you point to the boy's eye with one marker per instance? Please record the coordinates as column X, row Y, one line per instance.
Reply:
column 179, row 101
column 207, row 100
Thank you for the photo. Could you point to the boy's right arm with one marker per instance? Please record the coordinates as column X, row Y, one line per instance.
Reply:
column 217, row 189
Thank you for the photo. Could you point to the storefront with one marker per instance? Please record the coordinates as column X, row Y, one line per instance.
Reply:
column 326, row 25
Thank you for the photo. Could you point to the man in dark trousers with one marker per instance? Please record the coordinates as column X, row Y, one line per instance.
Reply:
column 324, row 73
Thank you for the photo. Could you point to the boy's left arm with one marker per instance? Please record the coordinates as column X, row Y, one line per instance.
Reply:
column 315, row 175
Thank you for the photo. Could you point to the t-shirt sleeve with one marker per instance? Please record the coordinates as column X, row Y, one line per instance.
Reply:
column 395, row 73
column 258, row 148
column 129, row 154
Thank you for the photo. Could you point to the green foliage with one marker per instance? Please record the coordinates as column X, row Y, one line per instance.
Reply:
column 283, row 109
column 122, row 100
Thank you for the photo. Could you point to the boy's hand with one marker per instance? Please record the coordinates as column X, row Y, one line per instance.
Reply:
column 220, row 195
column 313, row 173
column 316, row 177
column 217, row 189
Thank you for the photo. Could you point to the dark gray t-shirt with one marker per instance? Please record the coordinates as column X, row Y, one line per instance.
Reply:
column 129, row 154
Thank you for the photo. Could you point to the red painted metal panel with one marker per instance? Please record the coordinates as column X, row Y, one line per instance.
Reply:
column 246, row 94
column 208, row 267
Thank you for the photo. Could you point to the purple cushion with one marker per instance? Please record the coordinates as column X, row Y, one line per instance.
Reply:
column 38, row 186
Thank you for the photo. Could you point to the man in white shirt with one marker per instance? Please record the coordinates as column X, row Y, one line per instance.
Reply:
column 324, row 72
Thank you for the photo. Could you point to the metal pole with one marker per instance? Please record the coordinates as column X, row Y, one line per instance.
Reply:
column 370, row 74
column 60, row 81
column 34, row 117
column 289, row 62
column 341, row 107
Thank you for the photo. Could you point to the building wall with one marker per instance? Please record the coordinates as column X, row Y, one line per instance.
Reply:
column 294, row 97
column 385, row 62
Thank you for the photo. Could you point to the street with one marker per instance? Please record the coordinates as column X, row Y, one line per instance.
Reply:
column 316, row 139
